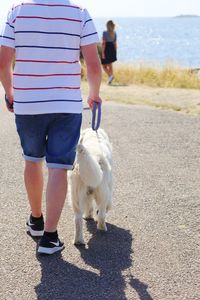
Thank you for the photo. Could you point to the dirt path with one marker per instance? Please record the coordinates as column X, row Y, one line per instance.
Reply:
column 183, row 100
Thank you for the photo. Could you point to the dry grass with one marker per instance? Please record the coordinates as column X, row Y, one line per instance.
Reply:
column 167, row 76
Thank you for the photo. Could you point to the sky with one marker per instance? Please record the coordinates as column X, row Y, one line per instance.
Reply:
column 131, row 8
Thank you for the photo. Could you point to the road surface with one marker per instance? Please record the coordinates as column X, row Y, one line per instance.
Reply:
column 152, row 247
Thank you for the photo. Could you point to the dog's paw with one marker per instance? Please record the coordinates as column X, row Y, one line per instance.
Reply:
column 79, row 242
column 102, row 227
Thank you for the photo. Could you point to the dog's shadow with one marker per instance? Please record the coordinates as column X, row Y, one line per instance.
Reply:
column 108, row 253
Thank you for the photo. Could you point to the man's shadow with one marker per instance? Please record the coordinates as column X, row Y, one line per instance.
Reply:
column 109, row 253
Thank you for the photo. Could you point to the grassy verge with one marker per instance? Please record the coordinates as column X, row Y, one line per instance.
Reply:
column 167, row 76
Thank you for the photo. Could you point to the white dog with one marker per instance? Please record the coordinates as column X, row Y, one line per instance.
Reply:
column 90, row 181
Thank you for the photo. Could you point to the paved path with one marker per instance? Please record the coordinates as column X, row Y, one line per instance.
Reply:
column 151, row 250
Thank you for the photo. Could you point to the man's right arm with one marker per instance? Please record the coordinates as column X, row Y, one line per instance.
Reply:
column 92, row 61
column 6, row 71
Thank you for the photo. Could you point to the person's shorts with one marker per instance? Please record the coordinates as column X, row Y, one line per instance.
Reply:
column 54, row 136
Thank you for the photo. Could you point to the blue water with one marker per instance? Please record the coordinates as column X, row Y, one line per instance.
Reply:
column 157, row 40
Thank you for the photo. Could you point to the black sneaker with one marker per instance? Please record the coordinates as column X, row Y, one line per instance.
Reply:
column 50, row 244
column 35, row 226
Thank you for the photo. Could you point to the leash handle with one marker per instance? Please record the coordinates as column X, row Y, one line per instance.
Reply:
column 96, row 111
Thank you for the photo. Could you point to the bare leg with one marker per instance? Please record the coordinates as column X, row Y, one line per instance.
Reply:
column 55, row 197
column 110, row 70
column 105, row 67
column 33, row 178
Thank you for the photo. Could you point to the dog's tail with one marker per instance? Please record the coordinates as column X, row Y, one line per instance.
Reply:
column 90, row 171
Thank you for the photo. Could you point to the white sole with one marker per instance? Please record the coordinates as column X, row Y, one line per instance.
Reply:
column 34, row 232
column 44, row 250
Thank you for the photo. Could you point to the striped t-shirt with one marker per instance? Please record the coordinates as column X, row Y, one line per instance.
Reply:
column 47, row 36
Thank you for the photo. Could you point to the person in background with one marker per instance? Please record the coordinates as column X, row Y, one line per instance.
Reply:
column 44, row 89
column 109, row 50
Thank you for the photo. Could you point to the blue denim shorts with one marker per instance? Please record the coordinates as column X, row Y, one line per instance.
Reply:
column 54, row 136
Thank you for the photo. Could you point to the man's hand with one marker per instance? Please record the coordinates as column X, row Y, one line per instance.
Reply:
column 91, row 101
column 9, row 103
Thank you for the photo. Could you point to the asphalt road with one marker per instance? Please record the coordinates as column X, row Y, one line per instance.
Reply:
column 152, row 247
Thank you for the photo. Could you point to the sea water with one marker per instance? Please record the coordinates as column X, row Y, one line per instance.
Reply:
column 159, row 41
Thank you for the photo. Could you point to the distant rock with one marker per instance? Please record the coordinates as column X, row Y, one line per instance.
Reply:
column 187, row 16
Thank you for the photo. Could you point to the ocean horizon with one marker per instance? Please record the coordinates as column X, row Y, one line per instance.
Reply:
column 157, row 40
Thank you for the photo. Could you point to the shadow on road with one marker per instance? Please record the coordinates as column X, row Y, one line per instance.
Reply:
column 109, row 254
column 140, row 288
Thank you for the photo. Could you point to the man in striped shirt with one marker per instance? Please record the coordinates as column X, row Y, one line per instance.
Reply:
column 46, row 37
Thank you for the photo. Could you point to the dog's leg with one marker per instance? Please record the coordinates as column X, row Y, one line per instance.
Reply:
column 102, row 198
column 88, row 209
column 77, row 199
column 101, row 218
column 78, row 220
column 78, row 238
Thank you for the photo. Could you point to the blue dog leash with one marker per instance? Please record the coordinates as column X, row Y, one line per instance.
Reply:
column 96, row 111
